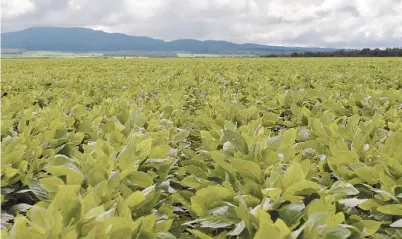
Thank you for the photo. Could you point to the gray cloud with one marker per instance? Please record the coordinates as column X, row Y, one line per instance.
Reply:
column 329, row 23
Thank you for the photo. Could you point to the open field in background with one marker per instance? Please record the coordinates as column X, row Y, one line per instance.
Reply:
column 15, row 54
column 190, row 55
column 202, row 148
column 51, row 54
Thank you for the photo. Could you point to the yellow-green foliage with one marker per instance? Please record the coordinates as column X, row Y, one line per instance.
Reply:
column 201, row 148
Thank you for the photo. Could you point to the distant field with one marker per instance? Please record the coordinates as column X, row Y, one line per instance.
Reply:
column 115, row 55
column 190, row 55
column 50, row 54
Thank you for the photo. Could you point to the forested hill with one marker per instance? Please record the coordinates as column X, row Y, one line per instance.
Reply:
column 88, row 40
column 366, row 52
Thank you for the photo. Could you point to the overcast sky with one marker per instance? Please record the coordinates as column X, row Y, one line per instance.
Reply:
column 325, row 23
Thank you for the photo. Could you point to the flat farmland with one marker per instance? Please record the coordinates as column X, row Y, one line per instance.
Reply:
column 201, row 148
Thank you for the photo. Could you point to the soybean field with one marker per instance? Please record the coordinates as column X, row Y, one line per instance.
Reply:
column 201, row 148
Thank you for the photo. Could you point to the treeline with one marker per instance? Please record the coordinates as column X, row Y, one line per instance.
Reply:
column 366, row 52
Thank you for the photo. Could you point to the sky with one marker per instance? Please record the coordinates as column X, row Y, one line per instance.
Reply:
column 321, row 23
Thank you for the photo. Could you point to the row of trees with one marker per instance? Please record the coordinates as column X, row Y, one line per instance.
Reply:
column 366, row 52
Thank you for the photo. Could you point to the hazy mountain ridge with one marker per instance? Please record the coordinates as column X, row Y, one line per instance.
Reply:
column 88, row 40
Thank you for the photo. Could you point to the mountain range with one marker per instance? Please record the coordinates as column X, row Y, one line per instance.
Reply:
column 75, row 39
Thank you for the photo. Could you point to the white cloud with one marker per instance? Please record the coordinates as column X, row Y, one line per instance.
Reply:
column 75, row 5
column 143, row 9
column 330, row 23
column 13, row 8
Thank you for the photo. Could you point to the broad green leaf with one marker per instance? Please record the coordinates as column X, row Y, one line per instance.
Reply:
column 206, row 197
column 135, row 199
column 215, row 224
column 300, row 186
column 266, row 229
column 159, row 152
column 140, row 178
column 391, row 209
column 283, row 228
column 292, row 213
column 199, row 234
column 51, row 184
column 338, row 233
column 144, row 148
column 148, row 222
column 74, row 175
column 126, row 158
column 288, row 138
column 247, row 168
column 208, row 142
column 237, row 141
column 293, row 174
column 220, row 159
column 65, row 197
column 370, row 227
column 163, row 226
column 369, row 205
column 341, row 189
column 37, row 189
column 324, row 204
column 21, row 230
column 244, row 214
column 368, row 174
column 182, row 135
